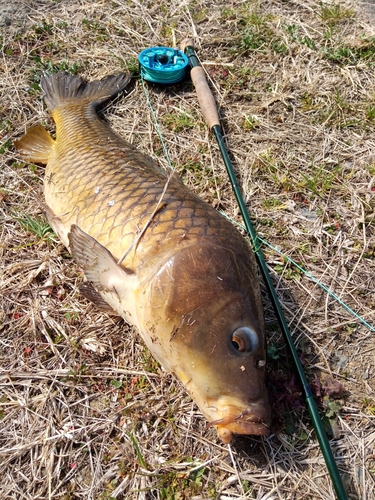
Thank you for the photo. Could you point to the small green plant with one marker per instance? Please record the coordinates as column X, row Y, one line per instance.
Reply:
column 333, row 13
column 293, row 32
column 361, row 51
column 329, row 33
column 342, row 54
column 43, row 28
column 150, row 365
column 132, row 65
column 228, row 13
column 266, row 222
column 309, row 42
column 141, row 460
column 258, row 34
column 369, row 406
column 193, row 173
column 198, row 14
column 332, row 408
column 101, row 33
column 193, row 166
column 181, row 486
column 288, row 270
column 117, row 384
column 272, row 352
column 250, row 122
column 247, row 488
column 254, row 39
column 279, row 173
column 58, row 338
column 370, row 112
column 5, row 146
column 38, row 226
column 320, row 180
column 268, row 203
column 178, row 121
column 48, row 66
column 71, row 316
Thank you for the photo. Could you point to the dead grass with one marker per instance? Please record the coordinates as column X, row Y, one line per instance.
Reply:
column 85, row 413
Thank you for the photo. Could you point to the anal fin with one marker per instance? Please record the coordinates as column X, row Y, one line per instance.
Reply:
column 35, row 145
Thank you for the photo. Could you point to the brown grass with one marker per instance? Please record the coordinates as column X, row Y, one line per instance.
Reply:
column 85, row 412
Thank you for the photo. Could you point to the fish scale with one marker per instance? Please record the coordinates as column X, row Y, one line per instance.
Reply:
column 155, row 253
column 134, row 199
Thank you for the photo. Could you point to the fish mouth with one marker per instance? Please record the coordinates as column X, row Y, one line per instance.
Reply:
column 245, row 422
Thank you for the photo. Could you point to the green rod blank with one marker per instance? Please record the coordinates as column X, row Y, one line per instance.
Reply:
column 314, row 414
column 210, row 113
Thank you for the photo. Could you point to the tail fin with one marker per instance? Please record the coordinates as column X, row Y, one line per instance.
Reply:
column 62, row 87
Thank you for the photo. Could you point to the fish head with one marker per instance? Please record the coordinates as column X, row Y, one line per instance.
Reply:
column 217, row 344
column 223, row 366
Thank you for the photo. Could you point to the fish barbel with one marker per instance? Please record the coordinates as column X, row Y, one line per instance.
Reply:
column 156, row 254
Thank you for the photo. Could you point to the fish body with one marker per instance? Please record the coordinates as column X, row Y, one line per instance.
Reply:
column 156, row 254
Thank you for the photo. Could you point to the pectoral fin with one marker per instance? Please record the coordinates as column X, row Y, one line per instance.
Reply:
column 35, row 145
column 114, row 284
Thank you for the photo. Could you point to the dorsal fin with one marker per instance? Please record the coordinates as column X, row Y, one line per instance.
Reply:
column 62, row 87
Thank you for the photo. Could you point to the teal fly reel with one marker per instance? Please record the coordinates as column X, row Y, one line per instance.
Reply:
column 162, row 65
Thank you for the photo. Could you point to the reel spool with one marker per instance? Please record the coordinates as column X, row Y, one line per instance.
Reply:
column 162, row 65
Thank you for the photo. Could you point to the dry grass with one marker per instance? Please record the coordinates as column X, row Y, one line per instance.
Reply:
column 85, row 413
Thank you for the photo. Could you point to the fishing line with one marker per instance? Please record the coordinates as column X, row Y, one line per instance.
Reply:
column 306, row 273
column 210, row 112
column 156, row 124
column 211, row 115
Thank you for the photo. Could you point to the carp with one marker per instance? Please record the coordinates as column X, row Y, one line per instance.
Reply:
column 156, row 254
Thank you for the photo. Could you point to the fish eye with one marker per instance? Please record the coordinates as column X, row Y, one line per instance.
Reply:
column 244, row 339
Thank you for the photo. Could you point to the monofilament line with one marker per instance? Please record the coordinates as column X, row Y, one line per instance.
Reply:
column 310, row 276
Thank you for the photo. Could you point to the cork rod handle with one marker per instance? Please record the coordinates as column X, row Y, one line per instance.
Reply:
column 205, row 98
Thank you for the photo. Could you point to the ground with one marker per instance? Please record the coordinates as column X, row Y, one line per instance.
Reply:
column 86, row 413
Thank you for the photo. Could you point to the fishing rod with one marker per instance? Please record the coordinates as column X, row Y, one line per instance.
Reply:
column 209, row 110
column 166, row 65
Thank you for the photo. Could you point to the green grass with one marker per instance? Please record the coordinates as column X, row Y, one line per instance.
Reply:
column 337, row 109
column 141, row 460
column 250, row 122
column 96, row 29
column 361, row 51
column 260, row 32
column 5, row 146
column 297, row 35
column 42, row 64
column 178, row 121
column 182, row 486
column 270, row 203
column 288, row 271
column 320, row 179
column 38, row 226
column 275, row 170
column 333, row 13
column 259, row 35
